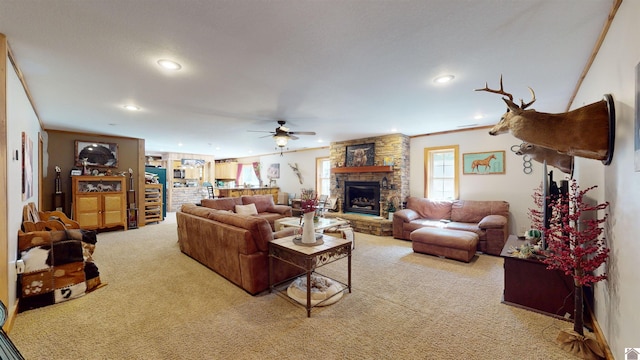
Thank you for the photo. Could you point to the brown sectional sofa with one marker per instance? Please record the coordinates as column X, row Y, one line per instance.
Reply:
column 267, row 209
column 488, row 219
column 233, row 245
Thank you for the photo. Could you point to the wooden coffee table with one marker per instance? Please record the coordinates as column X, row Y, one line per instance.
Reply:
column 309, row 258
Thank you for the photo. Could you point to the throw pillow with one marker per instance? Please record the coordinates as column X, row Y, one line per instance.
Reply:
column 249, row 209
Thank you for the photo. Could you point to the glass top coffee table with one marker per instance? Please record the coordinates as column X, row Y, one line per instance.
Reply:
column 321, row 224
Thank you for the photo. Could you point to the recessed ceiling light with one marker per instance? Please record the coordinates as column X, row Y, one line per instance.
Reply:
column 443, row 79
column 169, row 64
column 132, row 107
column 478, row 116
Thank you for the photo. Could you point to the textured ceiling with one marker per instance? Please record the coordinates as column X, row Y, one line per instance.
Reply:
column 345, row 69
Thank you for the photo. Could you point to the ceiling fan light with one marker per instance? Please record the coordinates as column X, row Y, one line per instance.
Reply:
column 281, row 140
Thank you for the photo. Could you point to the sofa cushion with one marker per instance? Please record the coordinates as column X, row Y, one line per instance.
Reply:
column 228, row 204
column 429, row 223
column 472, row 211
column 263, row 203
column 470, row 227
column 249, row 209
column 259, row 227
column 430, row 209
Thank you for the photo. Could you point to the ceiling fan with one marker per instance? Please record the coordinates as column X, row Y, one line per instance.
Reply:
column 282, row 135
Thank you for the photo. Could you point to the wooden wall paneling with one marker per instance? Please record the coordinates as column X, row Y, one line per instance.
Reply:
column 4, row 241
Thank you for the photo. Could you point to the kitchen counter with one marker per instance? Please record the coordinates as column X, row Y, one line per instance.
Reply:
column 239, row 191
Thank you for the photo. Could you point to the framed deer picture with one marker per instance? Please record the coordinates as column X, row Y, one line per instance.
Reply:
column 483, row 163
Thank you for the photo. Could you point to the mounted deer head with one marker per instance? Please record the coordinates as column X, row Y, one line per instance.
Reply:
column 587, row 132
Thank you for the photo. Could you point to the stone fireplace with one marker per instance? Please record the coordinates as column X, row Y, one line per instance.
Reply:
column 363, row 192
column 391, row 168
column 362, row 197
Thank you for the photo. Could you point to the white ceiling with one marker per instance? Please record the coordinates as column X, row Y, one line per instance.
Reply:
column 345, row 69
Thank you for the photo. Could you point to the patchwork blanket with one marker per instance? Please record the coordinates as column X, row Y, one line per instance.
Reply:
column 58, row 266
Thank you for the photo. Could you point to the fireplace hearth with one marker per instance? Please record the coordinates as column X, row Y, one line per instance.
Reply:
column 362, row 197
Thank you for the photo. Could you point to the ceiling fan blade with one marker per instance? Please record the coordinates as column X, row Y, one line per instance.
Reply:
column 265, row 136
column 293, row 137
column 303, row 132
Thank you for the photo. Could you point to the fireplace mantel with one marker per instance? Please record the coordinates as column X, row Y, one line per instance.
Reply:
column 362, row 169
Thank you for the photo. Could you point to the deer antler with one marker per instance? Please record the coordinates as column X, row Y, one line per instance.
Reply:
column 533, row 96
column 501, row 91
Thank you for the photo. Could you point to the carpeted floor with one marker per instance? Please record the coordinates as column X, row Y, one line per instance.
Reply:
column 161, row 304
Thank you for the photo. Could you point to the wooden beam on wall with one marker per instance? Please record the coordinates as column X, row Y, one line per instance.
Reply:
column 141, row 183
column 4, row 241
column 596, row 49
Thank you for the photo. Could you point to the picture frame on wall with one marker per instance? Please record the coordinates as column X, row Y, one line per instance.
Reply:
column 273, row 172
column 636, row 137
column 360, row 155
column 96, row 154
column 483, row 163
column 27, row 167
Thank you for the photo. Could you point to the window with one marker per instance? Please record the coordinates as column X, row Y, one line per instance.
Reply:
column 323, row 176
column 441, row 172
column 248, row 176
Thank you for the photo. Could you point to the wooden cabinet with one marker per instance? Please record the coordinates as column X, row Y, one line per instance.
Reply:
column 530, row 285
column 99, row 201
column 153, row 203
column 226, row 170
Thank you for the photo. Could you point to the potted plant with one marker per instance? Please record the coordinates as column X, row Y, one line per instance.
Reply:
column 575, row 245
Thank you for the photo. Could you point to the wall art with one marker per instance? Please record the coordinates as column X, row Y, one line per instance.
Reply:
column 360, row 155
column 491, row 162
column 273, row 172
column 95, row 154
column 637, row 122
column 27, row 167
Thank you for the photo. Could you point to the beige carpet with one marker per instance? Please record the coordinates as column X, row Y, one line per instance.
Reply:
column 161, row 304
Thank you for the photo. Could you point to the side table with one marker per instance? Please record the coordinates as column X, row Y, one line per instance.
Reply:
column 309, row 258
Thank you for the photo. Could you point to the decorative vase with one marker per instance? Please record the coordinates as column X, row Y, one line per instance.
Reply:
column 308, row 232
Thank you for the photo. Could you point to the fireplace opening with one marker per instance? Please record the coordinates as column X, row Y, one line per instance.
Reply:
column 362, row 197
